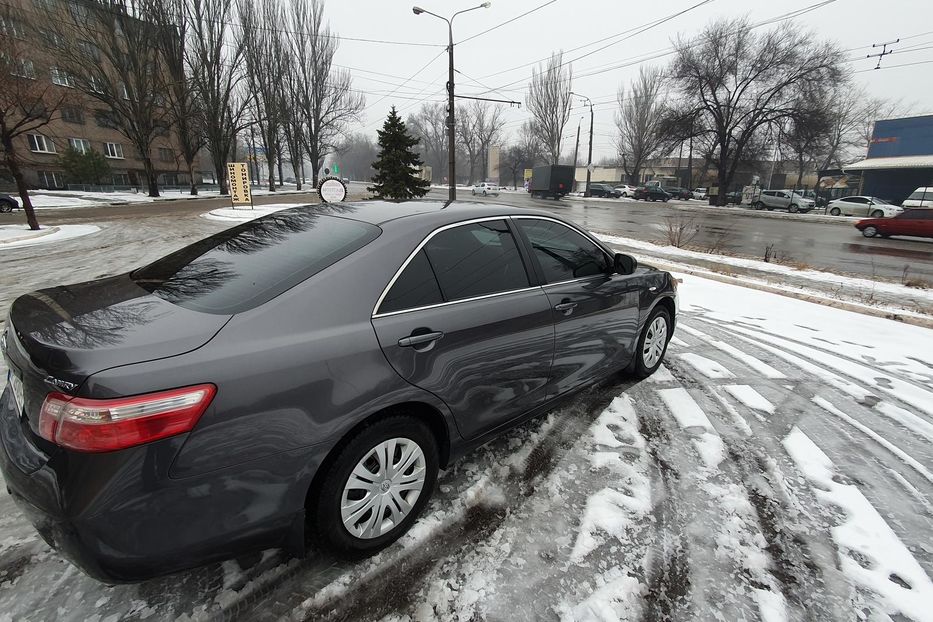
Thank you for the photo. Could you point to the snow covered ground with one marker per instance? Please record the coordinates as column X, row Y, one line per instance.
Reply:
column 59, row 199
column 778, row 467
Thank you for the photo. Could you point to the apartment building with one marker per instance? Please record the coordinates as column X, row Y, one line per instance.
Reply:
column 83, row 123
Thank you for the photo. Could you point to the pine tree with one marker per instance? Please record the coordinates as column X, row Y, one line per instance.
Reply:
column 395, row 177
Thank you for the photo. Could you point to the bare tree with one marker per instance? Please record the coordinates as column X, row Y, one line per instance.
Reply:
column 214, row 61
column 26, row 104
column 524, row 153
column 737, row 82
column 430, row 126
column 267, row 62
column 110, row 52
column 640, row 121
column 324, row 96
column 549, row 103
column 469, row 138
column 805, row 134
column 489, row 121
column 182, row 105
column 357, row 154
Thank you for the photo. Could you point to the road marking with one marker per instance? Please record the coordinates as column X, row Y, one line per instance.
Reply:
column 750, row 397
column 707, row 367
column 694, row 422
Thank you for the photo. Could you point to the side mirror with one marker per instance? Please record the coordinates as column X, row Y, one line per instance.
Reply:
column 624, row 264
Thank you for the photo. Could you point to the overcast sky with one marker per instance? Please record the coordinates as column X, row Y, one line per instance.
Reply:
column 571, row 24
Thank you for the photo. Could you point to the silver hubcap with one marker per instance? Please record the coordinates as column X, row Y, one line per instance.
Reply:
column 383, row 488
column 655, row 340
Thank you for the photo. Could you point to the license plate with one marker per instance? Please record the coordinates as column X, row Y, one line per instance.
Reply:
column 17, row 386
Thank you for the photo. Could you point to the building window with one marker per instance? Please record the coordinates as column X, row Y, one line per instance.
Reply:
column 53, row 40
column 71, row 114
column 51, row 179
column 121, row 179
column 89, row 50
column 113, row 150
column 105, row 118
column 62, row 77
column 40, row 144
column 11, row 27
column 81, row 145
column 166, row 155
column 77, row 9
column 23, row 68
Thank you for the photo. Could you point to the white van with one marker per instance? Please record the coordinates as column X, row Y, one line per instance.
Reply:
column 921, row 197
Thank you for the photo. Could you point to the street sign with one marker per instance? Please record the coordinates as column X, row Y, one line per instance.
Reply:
column 528, row 173
column 238, row 181
column 336, row 169
column 331, row 190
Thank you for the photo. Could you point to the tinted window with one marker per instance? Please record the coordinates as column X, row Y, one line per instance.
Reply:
column 861, row 200
column 476, row 259
column 922, row 195
column 250, row 264
column 563, row 253
column 415, row 287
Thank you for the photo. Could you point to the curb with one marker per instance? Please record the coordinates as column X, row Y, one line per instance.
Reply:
column 923, row 322
column 31, row 235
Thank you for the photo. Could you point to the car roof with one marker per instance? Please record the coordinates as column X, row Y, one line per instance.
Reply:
column 381, row 212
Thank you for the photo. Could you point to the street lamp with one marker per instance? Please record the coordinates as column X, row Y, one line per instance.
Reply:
column 451, row 128
column 589, row 158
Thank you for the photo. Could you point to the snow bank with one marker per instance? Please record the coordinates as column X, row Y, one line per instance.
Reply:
column 19, row 235
column 244, row 214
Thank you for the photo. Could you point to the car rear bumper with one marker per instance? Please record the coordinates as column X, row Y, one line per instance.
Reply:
column 120, row 518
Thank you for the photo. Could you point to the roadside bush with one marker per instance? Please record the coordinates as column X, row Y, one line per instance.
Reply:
column 89, row 167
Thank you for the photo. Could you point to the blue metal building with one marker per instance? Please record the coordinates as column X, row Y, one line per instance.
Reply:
column 900, row 158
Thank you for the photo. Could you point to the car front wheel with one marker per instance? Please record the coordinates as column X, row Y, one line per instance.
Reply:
column 793, row 209
column 376, row 487
column 652, row 344
column 759, row 205
column 877, row 214
column 869, row 231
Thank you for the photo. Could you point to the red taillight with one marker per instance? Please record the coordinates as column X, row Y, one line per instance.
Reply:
column 93, row 425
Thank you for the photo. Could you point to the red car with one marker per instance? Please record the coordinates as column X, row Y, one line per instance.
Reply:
column 916, row 222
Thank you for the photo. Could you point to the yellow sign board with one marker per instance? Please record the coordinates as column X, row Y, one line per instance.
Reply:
column 238, row 180
column 528, row 173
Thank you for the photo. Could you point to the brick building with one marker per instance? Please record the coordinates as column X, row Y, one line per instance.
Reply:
column 83, row 123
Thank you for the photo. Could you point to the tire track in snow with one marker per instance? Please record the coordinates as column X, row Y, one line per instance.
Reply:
column 870, row 553
column 751, row 361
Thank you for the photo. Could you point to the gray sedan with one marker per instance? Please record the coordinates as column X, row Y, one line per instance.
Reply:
column 305, row 373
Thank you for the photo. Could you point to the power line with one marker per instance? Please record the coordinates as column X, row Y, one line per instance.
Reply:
column 497, row 26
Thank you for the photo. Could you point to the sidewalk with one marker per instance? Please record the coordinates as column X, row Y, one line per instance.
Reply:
column 64, row 199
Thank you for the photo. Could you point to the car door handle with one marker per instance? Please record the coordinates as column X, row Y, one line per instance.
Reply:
column 566, row 307
column 417, row 340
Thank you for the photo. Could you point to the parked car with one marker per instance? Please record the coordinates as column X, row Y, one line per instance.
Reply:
column 783, row 199
column 603, row 190
column 734, row 198
column 818, row 201
column 651, row 193
column 912, row 221
column 679, row 193
column 921, row 197
column 700, row 193
column 485, row 188
column 862, row 206
column 7, row 203
column 625, row 190
column 304, row 372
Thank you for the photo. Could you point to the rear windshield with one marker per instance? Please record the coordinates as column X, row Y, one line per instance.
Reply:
column 250, row 264
column 922, row 195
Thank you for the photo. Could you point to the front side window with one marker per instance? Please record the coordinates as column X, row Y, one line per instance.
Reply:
column 475, row 260
column 563, row 253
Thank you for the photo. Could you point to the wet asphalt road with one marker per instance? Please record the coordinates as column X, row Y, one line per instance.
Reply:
column 798, row 240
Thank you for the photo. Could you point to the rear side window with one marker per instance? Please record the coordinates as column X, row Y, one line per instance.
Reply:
column 562, row 253
column 415, row 287
column 476, row 259
column 248, row 265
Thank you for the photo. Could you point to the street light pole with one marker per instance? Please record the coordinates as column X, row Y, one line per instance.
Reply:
column 451, row 121
column 589, row 158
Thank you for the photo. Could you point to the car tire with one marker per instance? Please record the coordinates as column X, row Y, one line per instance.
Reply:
column 869, row 231
column 793, row 209
column 6, row 207
column 877, row 214
column 759, row 205
column 666, row 199
column 473, row 192
column 649, row 353
column 835, row 211
column 328, row 527
column 484, row 193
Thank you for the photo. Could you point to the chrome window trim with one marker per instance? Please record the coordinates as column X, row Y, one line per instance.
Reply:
column 456, row 302
column 398, row 273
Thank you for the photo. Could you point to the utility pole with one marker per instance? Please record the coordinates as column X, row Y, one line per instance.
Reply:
column 884, row 51
column 577, row 147
column 451, row 122
column 589, row 158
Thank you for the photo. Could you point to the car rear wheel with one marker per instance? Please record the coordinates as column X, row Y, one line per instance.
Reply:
column 473, row 192
column 869, row 231
column 835, row 211
column 484, row 193
column 652, row 344
column 877, row 214
column 6, row 207
column 376, row 487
